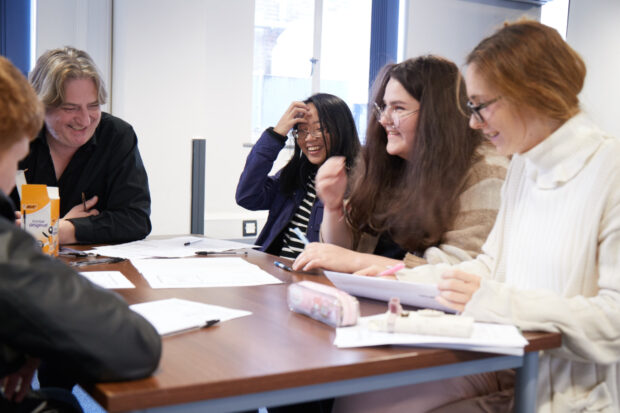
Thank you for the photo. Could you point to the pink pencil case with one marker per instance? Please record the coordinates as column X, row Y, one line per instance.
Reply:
column 323, row 303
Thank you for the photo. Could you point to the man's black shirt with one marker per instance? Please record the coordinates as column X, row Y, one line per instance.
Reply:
column 109, row 166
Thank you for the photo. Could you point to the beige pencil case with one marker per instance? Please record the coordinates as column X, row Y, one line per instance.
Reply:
column 323, row 303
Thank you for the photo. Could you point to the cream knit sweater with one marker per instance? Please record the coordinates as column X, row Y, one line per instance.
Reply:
column 552, row 263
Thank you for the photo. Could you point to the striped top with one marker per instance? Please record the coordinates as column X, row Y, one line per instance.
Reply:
column 292, row 246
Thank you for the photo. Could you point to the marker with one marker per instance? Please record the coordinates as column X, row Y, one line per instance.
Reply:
column 283, row 266
column 392, row 270
column 220, row 252
column 301, row 236
column 188, row 243
column 209, row 323
column 84, row 201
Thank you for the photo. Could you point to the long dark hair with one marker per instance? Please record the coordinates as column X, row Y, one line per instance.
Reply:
column 415, row 200
column 336, row 120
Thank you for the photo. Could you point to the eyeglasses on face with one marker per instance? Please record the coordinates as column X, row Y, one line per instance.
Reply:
column 394, row 114
column 302, row 134
column 475, row 109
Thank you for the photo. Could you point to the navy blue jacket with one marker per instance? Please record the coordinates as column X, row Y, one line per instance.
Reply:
column 257, row 190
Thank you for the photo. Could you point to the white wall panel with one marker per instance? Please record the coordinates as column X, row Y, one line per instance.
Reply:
column 184, row 72
column 85, row 24
column 452, row 28
column 594, row 31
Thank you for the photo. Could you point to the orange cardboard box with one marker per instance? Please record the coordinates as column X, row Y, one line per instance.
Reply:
column 40, row 206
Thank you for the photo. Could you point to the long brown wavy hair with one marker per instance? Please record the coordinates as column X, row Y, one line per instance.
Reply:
column 414, row 201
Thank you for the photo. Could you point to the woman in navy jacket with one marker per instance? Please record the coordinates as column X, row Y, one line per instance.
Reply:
column 322, row 126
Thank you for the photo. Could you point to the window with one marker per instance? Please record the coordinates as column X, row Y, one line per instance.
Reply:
column 302, row 47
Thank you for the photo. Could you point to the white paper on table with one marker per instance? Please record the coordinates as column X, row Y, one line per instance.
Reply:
column 168, row 248
column 173, row 315
column 192, row 272
column 486, row 337
column 415, row 294
column 108, row 279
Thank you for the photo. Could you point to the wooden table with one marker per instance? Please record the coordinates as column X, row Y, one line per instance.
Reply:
column 276, row 357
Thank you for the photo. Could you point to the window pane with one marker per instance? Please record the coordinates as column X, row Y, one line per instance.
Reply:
column 345, row 54
column 283, row 35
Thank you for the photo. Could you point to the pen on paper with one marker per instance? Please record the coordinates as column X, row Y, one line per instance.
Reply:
column 220, row 252
column 392, row 270
column 283, row 266
column 209, row 323
column 301, row 236
column 105, row 260
column 188, row 243
column 71, row 251
column 84, row 200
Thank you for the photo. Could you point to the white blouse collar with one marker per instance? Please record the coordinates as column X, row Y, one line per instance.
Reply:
column 559, row 157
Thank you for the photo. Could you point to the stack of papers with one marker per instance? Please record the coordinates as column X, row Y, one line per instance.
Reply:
column 168, row 248
column 488, row 338
column 416, row 294
column 193, row 273
column 174, row 315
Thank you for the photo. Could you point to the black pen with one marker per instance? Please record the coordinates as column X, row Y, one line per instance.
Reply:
column 71, row 251
column 220, row 252
column 188, row 243
column 283, row 266
column 104, row 260
column 209, row 323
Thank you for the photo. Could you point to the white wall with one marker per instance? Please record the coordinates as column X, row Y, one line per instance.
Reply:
column 180, row 73
column 84, row 24
column 594, row 32
column 451, row 28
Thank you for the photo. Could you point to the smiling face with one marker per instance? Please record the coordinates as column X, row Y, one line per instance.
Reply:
column 510, row 130
column 73, row 123
column 315, row 144
column 399, row 103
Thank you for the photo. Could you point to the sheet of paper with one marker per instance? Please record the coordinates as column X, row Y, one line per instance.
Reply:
column 415, row 294
column 196, row 272
column 108, row 279
column 168, row 248
column 173, row 315
column 490, row 338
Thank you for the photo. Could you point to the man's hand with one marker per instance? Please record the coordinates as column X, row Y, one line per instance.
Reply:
column 18, row 219
column 66, row 229
column 17, row 384
column 84, row 209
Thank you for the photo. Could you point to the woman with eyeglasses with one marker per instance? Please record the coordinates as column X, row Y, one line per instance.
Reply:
column 552, row 260
column 426, row 187
column 322, row 126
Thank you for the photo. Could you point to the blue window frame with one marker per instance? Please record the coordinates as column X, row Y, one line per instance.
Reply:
column 383, row 35
column 15, row 32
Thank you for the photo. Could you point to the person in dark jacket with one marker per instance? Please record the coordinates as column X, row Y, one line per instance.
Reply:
column 91, row 156
column 50, row 315
column 322, row 126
